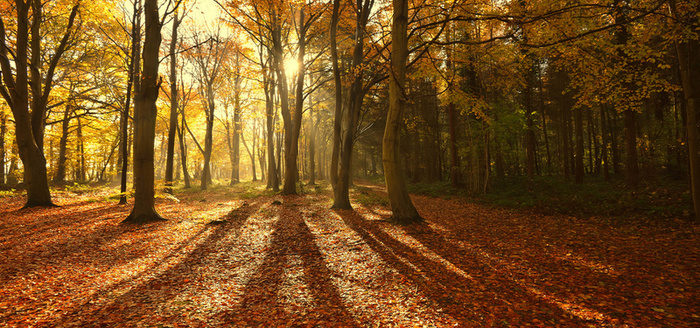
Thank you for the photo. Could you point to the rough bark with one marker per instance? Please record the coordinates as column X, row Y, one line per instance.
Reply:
column 402, row 207
column 16, row 94
column 145, row 113
column 341, row 197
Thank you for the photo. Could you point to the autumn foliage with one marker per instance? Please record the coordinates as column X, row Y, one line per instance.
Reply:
column 226, row 258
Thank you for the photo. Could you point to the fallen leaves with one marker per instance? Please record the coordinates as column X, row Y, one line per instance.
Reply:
column 298, row 263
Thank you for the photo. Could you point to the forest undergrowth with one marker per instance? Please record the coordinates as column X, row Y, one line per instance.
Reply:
column 241, row 256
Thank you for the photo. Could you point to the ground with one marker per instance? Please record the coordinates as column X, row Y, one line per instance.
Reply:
column 244, row 257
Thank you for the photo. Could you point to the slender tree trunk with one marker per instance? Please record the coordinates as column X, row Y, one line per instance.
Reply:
column 272, row 181
column 631, row 147
column 338, row 111
column 237, row 134
column 135, row 82
column 341, row 197
column 604, row 146
column 312, row 149
column 82, row 172
column 60, row 175
column 3, row 130
column 183, row 154
column 169, row 163
column 578, row 158
column 208, row 138
column 145, row 114
column 401, row 204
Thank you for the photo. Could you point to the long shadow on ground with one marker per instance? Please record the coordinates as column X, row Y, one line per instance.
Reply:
column 465, row 287
column 293, row 286
column 134, row 303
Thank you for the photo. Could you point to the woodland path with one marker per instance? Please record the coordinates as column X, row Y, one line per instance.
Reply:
column 226, row 261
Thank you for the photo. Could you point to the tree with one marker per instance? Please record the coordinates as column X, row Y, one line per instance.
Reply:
column 355, row 97
column 29, row 126
column 169, row 163
column 402, row 207
column 145, row 113
column 687, row 50
column 209, row 58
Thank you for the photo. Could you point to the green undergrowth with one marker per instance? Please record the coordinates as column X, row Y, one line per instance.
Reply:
column 367, row 197
column 595, row 197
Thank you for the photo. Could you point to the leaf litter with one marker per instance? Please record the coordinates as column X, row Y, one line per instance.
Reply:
column 291, row 261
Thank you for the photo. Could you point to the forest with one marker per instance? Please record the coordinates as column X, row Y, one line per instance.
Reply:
column 349, row 163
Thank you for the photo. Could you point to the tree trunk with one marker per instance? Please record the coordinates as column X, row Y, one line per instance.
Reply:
column 292, row 121
column 208, row 138
column 687, row 51
column 60, row 175
column 312, row 149
column 169, row 163
column 237, row 132
column 338, row 111
column 604, row 146
column 145, row 120
column 135, row 81
column 17, row 96
column 401, row 205
column 183, row 154
column 578, row 157
column 272, row 181
column 631, row 147
column 3, row 130
column 341, row 197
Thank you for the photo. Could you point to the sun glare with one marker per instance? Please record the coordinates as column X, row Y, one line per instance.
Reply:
column 291, row 66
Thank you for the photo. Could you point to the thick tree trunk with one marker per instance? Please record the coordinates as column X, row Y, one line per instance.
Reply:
column 145, row 115
column 17, row 95
column 401, row 205
column 687, row 51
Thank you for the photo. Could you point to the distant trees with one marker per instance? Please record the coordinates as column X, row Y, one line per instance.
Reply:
column 473, row 93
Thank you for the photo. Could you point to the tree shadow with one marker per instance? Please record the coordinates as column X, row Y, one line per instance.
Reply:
column 139, row 299
column 461, row 284
column 293, row 286
column 55, row 236
column 563, row 264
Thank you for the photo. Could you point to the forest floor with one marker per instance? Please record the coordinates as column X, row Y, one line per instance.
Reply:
column 232, row 257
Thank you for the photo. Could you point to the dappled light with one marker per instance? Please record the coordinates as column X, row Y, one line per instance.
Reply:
column 297, row 262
